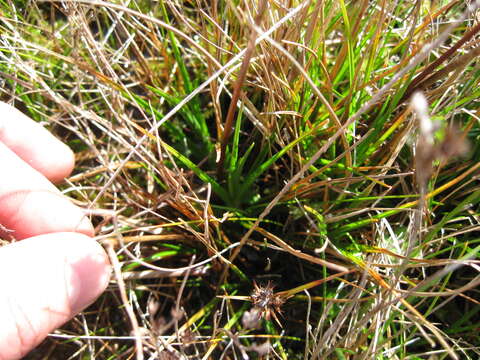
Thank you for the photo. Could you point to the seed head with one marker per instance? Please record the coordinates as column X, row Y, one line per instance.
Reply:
column 266, row 301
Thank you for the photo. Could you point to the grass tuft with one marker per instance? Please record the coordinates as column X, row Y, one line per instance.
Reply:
column 263, row 183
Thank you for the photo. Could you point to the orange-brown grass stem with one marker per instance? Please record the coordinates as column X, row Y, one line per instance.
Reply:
column 417, row 82
column 227, row 131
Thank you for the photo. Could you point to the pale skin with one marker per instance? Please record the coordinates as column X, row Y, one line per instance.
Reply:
column 55, row 268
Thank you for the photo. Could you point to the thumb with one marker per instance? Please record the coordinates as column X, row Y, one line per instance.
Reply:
column 44, row 281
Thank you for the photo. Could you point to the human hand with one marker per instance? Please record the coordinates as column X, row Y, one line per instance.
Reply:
column 57, row 269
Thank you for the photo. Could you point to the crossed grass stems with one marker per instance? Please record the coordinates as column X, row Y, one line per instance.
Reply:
column 149, row 142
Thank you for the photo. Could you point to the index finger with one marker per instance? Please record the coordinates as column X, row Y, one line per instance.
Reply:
column 34, row 144
column 30, row 157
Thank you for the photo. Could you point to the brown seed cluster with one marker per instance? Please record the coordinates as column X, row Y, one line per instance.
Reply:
column 266, row 301
column 452, row 145
column 428, row 150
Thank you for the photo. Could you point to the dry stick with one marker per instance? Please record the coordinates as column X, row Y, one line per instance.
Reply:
column 123, row 294
column 423, row 160
column 412, row 63
column 238, row 87
column 313, row 259
column 179, row 297
column 162, row 271
column 154, row 274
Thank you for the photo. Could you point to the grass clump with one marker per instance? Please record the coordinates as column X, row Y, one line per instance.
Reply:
column 264, row 184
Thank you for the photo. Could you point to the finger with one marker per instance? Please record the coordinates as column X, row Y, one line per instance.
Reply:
column 30, row 205
column 34, row 144
column 44, row 282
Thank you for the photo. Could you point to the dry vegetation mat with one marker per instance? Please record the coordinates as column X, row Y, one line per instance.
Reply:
column 272, row 179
